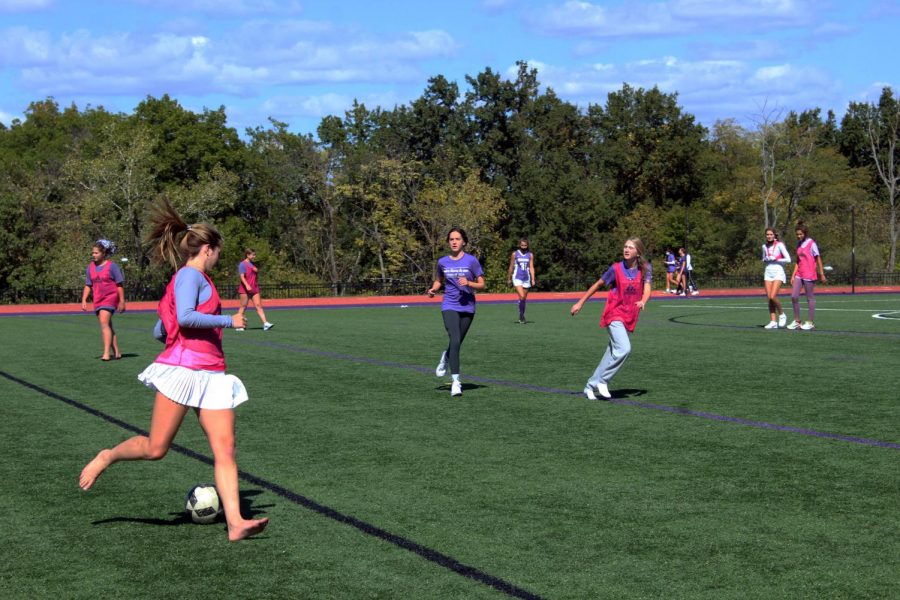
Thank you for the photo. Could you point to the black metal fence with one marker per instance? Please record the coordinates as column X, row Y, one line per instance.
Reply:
column 403, row 287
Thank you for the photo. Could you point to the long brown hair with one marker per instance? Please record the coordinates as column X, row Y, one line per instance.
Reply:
column 642, row 262
column 173, row 241
column 801, row 226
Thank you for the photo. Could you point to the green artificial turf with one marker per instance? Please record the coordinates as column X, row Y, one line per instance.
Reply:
column 708, row 476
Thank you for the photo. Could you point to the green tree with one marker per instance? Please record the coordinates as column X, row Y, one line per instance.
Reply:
column 871, row 135
column 649, row 147
column 189, row 144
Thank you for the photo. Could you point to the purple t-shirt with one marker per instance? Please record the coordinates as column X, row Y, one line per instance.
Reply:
column 456, row 297
column 609, row 278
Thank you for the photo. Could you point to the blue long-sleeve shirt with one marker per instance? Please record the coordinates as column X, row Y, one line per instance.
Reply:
column 191, row 290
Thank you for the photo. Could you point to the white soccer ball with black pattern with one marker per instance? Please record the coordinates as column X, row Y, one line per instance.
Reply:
column 203, row 503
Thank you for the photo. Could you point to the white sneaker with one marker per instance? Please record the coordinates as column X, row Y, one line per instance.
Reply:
column 680, row 294
column 782, row 320
column 441, row 369
column 695, row 293
column 807, row 326
column 456, row 388
column 589, row 393
column 794, row 325
column 603, row 389
column 771, row 325
column 238, row 328
column 267, row 326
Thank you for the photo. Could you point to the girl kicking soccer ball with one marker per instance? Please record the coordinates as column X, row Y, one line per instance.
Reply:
column 629, row 283
column 190, row 372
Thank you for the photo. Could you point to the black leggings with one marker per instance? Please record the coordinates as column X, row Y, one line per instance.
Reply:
column 457, row 325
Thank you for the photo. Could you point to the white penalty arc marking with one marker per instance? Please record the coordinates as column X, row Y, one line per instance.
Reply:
column 890, row 316
column 818, row 308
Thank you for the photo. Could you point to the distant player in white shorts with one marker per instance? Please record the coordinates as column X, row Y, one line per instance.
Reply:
column 521, row 274
column 774, row 256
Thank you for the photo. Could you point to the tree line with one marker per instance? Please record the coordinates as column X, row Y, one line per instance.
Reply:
column 373, row 194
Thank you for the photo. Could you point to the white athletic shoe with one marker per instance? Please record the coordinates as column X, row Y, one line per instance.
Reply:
column 441, row 369
column 695, row 293
column 456, row 388
column 794, row 325
column 603, row 390
column 267, row 326
column 771, row 325
column 589, row 393
column 782, row 320
column 807, row 326
column 238, row 328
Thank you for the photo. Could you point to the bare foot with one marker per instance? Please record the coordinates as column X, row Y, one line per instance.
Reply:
column 246, row 529
column 93, row 469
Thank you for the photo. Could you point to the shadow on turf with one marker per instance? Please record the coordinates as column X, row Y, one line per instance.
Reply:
column 618, row 394
column 126, row 355
column 182, row 518
column 444, row 387
column 627, row 393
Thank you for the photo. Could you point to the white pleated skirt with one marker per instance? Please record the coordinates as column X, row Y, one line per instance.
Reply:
column 198, row 389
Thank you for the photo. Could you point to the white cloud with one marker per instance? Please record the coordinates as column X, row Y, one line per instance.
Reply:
column 751, row 50
column 7, row 118
column 24, row 5
column 708, row 89
column 671, row 17
column 226, row 7
column 497, row 6
column 318, row 106
column 259, row 53
column 21, row 46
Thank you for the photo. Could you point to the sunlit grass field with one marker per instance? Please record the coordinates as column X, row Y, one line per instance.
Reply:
column 733, row 462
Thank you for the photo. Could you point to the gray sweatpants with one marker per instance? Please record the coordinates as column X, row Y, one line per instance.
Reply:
column 618, row 350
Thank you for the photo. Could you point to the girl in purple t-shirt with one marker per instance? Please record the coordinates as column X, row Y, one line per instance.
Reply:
column 461, row 275
column 521, row 274
column 103, row 280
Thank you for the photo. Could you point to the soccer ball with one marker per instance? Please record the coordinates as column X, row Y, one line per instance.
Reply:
column 202, row 503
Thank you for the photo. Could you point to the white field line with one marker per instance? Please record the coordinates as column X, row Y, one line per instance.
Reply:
column 757, row 307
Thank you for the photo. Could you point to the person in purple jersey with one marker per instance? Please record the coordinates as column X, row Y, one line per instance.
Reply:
column 103, row 279
column 521, row 274
column 461, row 276
column 671, row 267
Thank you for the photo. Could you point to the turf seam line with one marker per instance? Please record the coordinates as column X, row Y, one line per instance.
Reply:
column 625, row 402
column 440, row 559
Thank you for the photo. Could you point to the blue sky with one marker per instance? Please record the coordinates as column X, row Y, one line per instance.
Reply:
column 298, row 61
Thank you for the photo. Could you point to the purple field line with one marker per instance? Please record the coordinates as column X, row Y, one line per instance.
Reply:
column 621, row 401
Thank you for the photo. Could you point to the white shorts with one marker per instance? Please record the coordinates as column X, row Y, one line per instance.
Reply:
column 198, row 389
column 519, row 283
column 775, row 272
